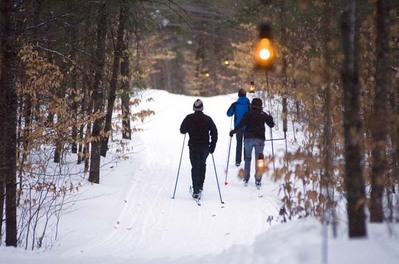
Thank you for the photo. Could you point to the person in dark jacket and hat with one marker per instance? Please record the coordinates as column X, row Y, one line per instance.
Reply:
column 254, row 136
column 203, row 136
column 238, row 109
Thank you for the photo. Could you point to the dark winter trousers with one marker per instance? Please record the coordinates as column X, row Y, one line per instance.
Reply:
column 239, row 137
column 198, row 155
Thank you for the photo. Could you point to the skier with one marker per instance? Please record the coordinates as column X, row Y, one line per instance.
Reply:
column 203, row 136
column 254, row 136
column 238, row 109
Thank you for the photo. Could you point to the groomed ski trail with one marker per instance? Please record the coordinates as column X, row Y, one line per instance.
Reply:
column 147, row 224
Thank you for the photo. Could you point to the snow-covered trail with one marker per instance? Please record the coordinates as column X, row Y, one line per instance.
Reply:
column 130, row 217
column 147, row 224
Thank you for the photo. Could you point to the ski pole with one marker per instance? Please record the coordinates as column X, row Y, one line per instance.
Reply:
column 217, row 180
column 178, row 170
column 228, row 155
column 271, row 140
column 228, row 159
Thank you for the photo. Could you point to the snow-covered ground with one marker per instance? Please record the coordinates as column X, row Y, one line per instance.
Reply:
column 130, row 217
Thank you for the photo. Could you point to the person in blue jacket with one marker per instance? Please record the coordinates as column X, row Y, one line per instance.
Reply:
column 203, row 136
column 238, row 109
column 254, row 136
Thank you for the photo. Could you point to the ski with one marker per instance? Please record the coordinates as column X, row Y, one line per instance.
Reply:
column 198, row 201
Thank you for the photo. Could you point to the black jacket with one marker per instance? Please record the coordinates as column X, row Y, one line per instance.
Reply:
column 255, row 120
column 199, row 127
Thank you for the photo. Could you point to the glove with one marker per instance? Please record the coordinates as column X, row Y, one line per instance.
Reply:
column 231, row 133
column 211, row 149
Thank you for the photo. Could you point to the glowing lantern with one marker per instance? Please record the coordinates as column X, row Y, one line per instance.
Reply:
column 260, row 163
column 264, row 51
column 226, row 62
column 252, row 87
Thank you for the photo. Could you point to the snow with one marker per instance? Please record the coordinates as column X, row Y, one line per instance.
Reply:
column 130, row 217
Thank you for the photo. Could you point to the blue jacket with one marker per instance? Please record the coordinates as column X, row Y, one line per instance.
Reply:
column 238, row 109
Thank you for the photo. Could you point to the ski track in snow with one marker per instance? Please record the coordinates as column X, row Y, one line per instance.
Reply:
column 148, row 224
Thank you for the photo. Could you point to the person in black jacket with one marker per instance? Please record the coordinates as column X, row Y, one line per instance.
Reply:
column 254, row 136
column 203, row 136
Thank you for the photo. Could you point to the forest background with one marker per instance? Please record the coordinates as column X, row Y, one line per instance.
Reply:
column 67, row 66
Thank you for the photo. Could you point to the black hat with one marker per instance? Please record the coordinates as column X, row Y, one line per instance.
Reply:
column 257, row 103
column 198, row 106
column 242, row 92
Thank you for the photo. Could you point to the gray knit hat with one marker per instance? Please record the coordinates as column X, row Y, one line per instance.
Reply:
column 198, row 105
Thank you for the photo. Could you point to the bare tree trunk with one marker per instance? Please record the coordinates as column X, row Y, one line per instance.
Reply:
column 86, row 107
column 75, row 109
column 352, row 123
column 394, row 188
column 378, row 128
column 98, row 93
column 74, row 84
column 83, row 153
column 58, row 150
column 283, row 33
column 123, row 15
column 125, row 97
column 8, row 120
column 2, row 185
column 328, row 156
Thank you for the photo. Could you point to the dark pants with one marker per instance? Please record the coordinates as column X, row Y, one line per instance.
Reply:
column 198, row 156
column 239, row 137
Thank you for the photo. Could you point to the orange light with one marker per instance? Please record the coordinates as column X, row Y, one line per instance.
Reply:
column 264, row 53
column 260, row 162
column 260, row 165
column 252, row 87
column 226, row 62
